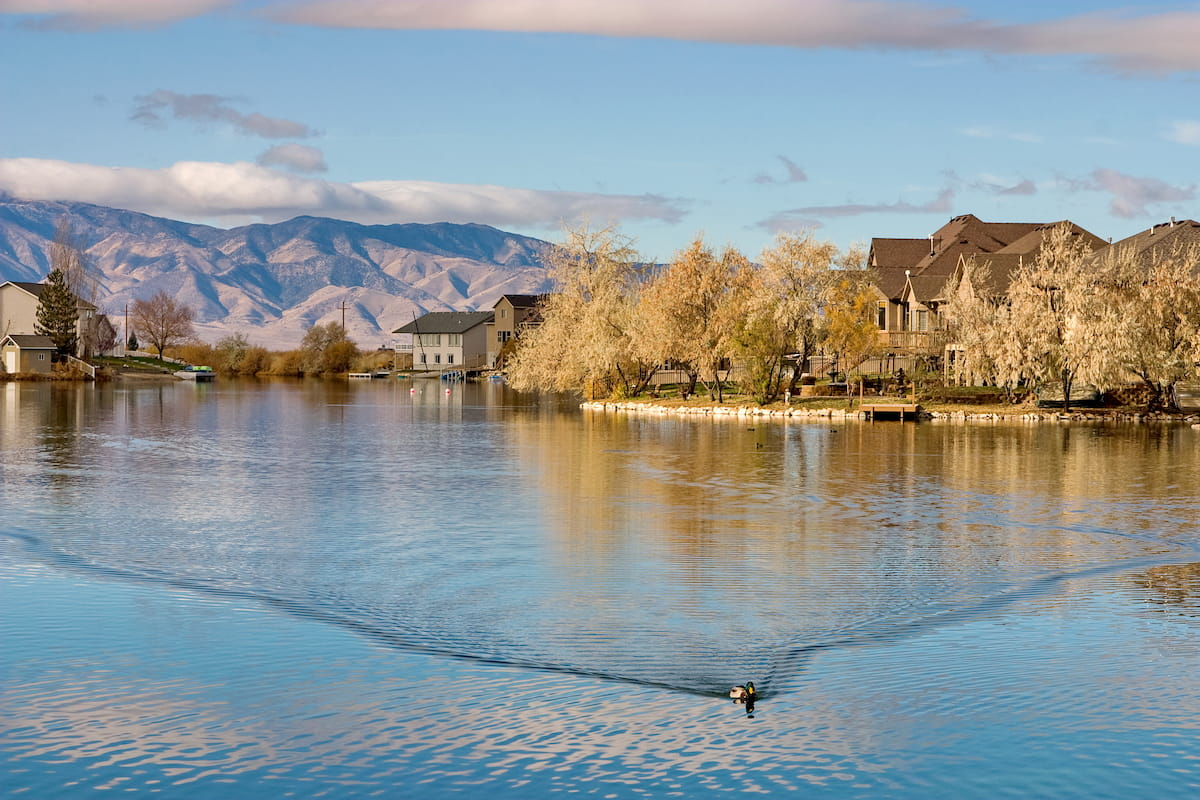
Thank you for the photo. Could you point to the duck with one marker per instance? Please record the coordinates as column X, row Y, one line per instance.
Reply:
column 743, row 694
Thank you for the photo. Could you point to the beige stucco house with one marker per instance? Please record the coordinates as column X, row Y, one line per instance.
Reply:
column 449, row 340
column 18, row 312
column 510, row 315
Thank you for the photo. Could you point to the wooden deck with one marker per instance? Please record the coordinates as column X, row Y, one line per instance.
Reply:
column 888, row 409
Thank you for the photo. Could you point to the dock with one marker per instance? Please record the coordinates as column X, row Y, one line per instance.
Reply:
column 888, row 409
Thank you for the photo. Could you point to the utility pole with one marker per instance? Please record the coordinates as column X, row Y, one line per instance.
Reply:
column 343, row 316
column 125, row 344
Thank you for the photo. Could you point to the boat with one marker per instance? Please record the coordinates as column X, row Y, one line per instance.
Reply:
column 198, row 374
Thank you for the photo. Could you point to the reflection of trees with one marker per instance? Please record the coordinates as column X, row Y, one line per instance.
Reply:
column 1176, row 586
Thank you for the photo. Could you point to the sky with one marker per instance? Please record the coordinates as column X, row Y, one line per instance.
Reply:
column 671, row 118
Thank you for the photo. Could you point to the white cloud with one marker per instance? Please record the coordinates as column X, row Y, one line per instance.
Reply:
column 95, row 14
column 1185, row 132
column 296, row 157
column 242, row 192
column 1126, row 41
column 149, row 110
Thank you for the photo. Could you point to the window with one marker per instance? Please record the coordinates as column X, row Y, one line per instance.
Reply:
column 503, row 313
column 437, row 358
column 423, row 358
column 429, row 339
column 450, row 358
column 921, row 323
column 41, row 356
column 881, row 318
column 454, row 339
column 503, row 336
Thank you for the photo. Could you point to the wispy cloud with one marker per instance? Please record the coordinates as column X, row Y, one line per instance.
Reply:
column 983, row 132
column 92, row 14
column 152, row 110
column 243, row 192
column 1125, row 40
column 1132, row 196
column 297, row 157
column 792, row 173
column 1185, row 132
column 1024, row 187
column 803, row 217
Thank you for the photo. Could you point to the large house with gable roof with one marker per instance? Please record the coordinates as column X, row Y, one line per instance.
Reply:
column 914, row 275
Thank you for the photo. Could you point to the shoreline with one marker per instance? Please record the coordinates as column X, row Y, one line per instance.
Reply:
column 841, row 414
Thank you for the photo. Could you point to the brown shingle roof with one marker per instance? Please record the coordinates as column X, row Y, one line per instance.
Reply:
column 30, row 341
column 1161, row 240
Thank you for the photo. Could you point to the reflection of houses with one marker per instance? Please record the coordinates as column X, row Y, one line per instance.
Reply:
column 511, row 314
column 18, row 313
column 449, row 339
column 27, row 353
column 913, row 274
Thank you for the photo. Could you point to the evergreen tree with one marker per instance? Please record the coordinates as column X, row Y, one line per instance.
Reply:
column 132, row 344
column 58, row 315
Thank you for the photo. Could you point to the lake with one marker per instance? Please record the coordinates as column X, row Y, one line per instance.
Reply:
column 398, row 589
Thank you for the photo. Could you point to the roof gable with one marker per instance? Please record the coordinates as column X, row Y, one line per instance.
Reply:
column 30, row 341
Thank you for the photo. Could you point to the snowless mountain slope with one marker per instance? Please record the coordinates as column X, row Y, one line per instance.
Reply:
column 271, row 282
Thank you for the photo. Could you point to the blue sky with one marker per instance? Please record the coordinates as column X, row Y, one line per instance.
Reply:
column 671, row 117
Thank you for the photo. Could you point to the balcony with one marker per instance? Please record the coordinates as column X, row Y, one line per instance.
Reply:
column 911, row 341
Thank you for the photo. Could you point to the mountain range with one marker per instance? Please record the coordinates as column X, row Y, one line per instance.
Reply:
column 271, row 282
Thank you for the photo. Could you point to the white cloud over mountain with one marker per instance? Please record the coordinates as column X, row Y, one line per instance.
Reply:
column 243, row 192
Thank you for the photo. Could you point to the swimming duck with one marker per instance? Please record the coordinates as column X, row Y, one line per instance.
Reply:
column 743, row 694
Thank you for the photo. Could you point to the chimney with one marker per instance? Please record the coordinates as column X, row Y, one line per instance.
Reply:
column 932, row 245
column 1172, row 222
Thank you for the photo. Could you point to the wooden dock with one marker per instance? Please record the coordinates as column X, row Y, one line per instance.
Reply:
column 888, row 409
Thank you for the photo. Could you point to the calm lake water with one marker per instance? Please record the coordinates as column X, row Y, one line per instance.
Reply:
column 332, row 589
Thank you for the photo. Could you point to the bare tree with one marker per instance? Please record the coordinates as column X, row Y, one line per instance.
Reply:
column 161, row 322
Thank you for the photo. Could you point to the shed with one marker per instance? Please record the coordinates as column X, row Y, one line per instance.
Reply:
column 27, row 353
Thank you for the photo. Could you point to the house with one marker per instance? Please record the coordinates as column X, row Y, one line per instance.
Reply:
column 18, row 313
column 913, row 274
column 511, row 314
column 449, row 339
column 1161, row 240
column 27, row 353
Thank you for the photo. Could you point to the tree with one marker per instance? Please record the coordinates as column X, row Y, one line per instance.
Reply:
column 589, row 333
column 67, row 255
column 1066, row 316
column 851, row 331
column 58, row 314
column 132, row 344
column 161, row 321
column 691, row 314
column 327, row 349
column 1159, row 324
column 797, row 274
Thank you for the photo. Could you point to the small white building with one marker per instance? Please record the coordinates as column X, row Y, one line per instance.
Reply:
column 449, row 339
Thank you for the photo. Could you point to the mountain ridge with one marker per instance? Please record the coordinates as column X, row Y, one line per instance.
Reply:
column 272, row 281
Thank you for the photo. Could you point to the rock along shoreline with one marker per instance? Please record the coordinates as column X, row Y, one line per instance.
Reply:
column 1040, row 415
